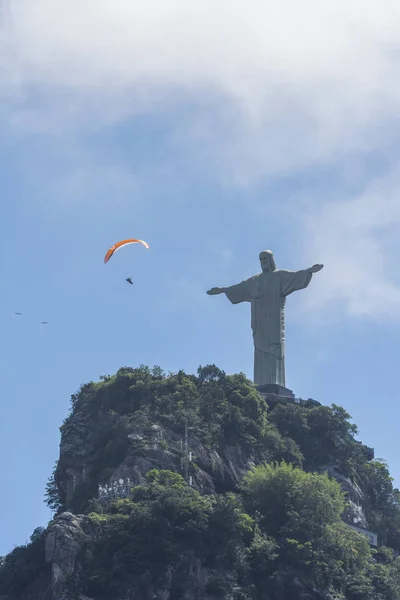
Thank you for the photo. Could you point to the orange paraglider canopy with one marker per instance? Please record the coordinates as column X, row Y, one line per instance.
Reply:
column 119, row 245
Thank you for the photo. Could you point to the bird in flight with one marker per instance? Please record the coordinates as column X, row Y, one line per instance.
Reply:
column 129, row 280
column 17, row 313
column 44, row 322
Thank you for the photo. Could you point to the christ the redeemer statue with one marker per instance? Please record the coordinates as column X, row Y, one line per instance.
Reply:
column 267, row 293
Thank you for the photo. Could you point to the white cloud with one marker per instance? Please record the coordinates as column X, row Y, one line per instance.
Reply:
column 292, row 83
column 358, row 242
column 268, row 88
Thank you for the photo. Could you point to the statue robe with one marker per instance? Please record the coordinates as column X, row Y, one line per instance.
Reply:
column 267, row 293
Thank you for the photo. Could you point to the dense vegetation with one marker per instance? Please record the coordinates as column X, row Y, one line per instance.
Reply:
column 281, row 531
column 23, row 565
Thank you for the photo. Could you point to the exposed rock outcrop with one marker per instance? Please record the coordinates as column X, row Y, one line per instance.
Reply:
column 65, row 541
column 110, row 441
column 212, row 470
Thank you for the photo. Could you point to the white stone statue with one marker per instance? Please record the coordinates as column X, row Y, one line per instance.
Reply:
column 267, row 293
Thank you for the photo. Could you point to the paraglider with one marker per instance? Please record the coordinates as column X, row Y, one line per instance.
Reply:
column 129, row 280
column 119, row 245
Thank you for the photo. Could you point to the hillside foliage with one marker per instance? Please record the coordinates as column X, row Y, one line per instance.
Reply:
column 280, row 532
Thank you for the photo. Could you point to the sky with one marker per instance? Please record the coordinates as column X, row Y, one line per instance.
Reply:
column 212, row 131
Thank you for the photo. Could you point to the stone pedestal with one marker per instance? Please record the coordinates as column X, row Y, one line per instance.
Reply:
column 274, row 388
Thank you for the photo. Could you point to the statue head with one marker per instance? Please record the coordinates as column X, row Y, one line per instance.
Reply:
column 267, row 261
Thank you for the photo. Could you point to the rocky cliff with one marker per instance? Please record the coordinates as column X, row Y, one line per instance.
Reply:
column 125, row 529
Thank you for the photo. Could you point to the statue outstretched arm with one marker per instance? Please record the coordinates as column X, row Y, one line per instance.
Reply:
column 292, row 281
column 216, row 290
column 315, row 268
column 235, row 293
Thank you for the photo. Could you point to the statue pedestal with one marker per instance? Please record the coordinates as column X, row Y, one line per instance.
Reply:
column 274, row 388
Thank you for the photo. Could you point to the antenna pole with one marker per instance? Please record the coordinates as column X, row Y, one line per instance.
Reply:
column 186, row 454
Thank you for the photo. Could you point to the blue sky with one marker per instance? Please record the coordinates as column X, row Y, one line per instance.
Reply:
column 211, row 135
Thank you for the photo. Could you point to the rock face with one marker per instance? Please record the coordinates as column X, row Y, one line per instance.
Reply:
column 211, row 470
column 65, row 541
column 355, row 511
column 103, row 447
column 70, row 536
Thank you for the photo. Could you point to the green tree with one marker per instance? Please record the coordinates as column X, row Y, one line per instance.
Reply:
column 382, row 502
column 23, row 565
column 293, row 503
column 54, row 496
column 162, row 524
